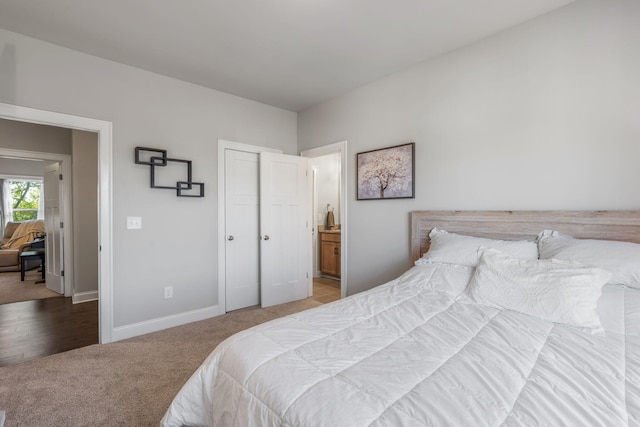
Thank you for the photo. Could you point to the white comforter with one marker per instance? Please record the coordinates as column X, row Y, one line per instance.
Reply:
column 408, row 353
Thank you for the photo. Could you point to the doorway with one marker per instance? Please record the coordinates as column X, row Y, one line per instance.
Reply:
column 49, row 310
column 69, row 211
column 104, row 138
column 330, row 168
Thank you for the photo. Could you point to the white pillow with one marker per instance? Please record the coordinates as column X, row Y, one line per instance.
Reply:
column 556, row 291
column 453, row 248
column 620, row 258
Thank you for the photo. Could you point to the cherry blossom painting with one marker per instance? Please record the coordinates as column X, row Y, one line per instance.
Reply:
column 386, row 173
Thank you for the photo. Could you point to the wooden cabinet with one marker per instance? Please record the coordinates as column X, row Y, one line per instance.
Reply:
column 330, row 254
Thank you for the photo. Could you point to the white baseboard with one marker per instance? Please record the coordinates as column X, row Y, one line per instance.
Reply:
column 146, row 327
column 79, row 297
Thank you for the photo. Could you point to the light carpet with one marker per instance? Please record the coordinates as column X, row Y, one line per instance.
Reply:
column 13, row 290
column 127, row 383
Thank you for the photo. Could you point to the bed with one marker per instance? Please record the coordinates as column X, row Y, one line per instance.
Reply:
column 480, row 332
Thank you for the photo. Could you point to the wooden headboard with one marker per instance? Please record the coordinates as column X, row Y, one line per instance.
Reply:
column 519, row 225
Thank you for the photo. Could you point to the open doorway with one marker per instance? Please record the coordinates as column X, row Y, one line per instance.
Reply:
column 103, row 130
column 70, row 247
column 86, row 226
column 329, row 168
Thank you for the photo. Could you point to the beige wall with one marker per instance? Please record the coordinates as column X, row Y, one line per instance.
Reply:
column 33, row 137
column 85, row 211
column 542, row 116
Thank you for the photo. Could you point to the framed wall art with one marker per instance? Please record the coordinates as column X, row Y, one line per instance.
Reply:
column 386, row 173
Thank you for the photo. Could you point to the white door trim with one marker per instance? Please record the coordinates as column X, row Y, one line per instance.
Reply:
column 338, row 147
column 222, row 146
column 105, row 196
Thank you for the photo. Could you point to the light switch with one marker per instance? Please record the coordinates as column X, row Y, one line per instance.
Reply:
column 134, row 222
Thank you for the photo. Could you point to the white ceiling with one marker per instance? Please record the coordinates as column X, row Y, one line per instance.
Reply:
column 287, row 53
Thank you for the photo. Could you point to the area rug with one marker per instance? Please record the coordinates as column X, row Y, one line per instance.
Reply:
column 13, row 290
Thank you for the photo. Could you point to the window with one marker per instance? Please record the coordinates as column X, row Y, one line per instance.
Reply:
column 22, row 200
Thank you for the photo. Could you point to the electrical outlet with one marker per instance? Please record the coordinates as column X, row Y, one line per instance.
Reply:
column 168, row 292
column 134, row 222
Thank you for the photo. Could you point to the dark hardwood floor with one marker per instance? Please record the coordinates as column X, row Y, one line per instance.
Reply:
column 38, row 328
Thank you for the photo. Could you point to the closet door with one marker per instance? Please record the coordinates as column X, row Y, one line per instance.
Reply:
column 242, row 254
column 285, row 237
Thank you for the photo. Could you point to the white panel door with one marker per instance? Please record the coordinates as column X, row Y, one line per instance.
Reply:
column 241, row 230
column 54, row 259
column 285, row 237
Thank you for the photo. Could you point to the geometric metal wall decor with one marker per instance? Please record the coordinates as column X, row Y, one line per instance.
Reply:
column 159, row 159
column 163, row 162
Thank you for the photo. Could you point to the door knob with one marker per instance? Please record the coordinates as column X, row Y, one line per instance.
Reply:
column 266, row 237
column 230, row 238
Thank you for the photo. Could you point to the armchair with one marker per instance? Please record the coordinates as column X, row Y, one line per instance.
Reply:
column 18, row 237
